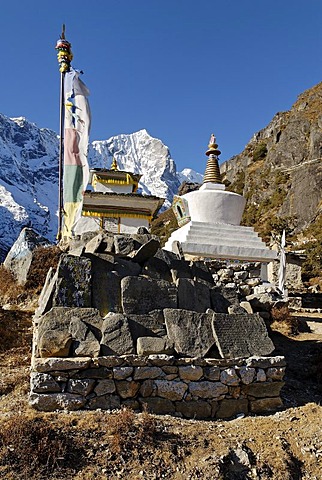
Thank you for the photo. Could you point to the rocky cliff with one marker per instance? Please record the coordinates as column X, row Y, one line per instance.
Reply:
column 280, row 170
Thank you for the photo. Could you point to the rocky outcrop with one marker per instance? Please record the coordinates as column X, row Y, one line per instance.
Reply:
column 280, row 171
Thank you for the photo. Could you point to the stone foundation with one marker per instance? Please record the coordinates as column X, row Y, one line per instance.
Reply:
column 185, row 387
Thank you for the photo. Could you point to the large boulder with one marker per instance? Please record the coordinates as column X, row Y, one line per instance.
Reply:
column 190, row 332
column 20, row 256
column 140, row 295
column 73, row 285
column 241, row 335
column 64, row 332
column 116, row 335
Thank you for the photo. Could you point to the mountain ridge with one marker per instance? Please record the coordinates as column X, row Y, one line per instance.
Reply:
column 29, row 173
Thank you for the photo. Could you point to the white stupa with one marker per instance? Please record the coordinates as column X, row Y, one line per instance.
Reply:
column 213, row 217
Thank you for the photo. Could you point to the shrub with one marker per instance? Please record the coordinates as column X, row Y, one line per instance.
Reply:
column 260, row 151
column 33, row 448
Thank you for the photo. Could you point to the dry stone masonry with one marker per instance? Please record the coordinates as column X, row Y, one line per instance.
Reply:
column 123, row 322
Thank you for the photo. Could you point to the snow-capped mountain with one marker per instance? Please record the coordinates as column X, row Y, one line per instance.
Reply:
column 29, row 173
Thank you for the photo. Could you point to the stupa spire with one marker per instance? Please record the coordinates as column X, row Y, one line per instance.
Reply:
column 212, row 172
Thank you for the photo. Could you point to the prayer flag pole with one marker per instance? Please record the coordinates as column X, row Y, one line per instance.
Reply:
column 64, row 57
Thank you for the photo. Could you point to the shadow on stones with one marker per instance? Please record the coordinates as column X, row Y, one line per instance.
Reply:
column 303, row 375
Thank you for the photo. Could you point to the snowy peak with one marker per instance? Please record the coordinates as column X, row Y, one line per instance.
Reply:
column 140, row 153
column 29, row 173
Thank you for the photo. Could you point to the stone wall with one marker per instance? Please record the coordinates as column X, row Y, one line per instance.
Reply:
column 123, row 322
column 185, row 387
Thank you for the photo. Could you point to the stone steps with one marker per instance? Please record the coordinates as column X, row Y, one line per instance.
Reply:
column 221, row 241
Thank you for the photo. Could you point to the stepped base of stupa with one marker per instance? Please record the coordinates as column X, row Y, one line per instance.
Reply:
column 220, row 240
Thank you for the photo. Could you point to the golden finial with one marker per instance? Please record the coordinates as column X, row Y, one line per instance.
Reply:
column 212, row 172
column 114, row 164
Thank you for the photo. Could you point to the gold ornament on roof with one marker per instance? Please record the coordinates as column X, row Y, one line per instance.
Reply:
column 114, row 165
column 212, row 172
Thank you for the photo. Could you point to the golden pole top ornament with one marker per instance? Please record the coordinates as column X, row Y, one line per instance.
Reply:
column 64, row 55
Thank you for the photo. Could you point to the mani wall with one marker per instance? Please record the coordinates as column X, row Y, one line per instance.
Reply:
column 123, row 322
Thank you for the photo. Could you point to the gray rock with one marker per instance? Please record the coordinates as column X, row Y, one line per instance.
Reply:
column 104, row 402
column 45, row 301
column 241, row 335
column 261, row 375
column 43, row 383
column 158, row 405
column 193, row 295
column 194, row 409
column 189, row 331
column 190, row 372
column 84, row 342
column 207, row 389
column 152, row 345
column 148, row 325
column 156, row 268
column 142, row 373
column 20, row 256
column 62, row 364
column 56, row 401
column 247, row 374
column 122, row 373
column 171, row 390
column 212, row 373
column 264, row 405
column 263, row 389
column 127, row 389
column 55, row 333
column 82, row 387
column 229, row 377
column 275, row 373
column 236, row 310
column 200, row 271
column 105, row 387
column 106, row 284
column 140, row 295
column 166, row 256
column 218, row 302
column 246, row 306
column 146, row 388
column 73, row 286
column 146, row 251
column 180, row 269
column 93, row 245
column 116, row 335
column 266, row 362
column 97, row 373
column 125, row 244
column 261, row 302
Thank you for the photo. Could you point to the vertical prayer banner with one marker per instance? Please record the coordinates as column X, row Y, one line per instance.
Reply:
column 76, row 135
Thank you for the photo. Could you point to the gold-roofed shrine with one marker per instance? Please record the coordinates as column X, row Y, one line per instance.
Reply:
column 114, row 203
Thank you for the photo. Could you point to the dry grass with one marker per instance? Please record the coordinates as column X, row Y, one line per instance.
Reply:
column 130, row 432
column 283, row 321
column 31, row 447
column 9, row 288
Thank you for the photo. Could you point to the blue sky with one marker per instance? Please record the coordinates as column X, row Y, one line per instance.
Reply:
column 182, row 69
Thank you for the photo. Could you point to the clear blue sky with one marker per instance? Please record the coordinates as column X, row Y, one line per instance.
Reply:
column 182, row 69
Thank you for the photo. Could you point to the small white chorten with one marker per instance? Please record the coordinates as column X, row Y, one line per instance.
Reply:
column 215, row 214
